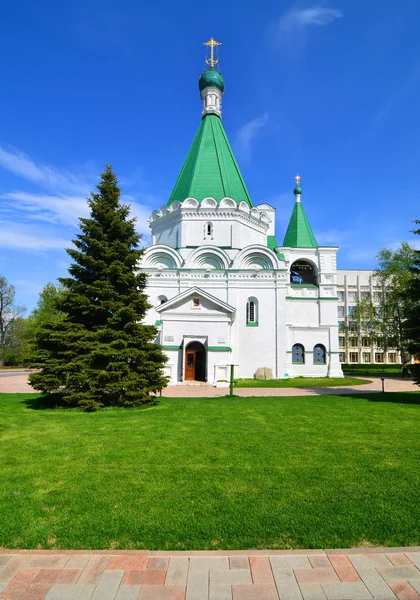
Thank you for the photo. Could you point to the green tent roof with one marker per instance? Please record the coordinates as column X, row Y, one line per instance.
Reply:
column 299, row 233
column 210, row 168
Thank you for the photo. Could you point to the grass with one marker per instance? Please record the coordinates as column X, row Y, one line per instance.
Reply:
column 293, row 472
column 299, row 382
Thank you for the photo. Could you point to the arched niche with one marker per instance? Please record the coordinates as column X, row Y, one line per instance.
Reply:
column 303, row 272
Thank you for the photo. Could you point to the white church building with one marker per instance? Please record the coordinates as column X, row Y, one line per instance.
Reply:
column 223, row 290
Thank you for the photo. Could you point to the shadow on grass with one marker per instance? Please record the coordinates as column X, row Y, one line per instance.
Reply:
column 391, row 397
column 56, row 402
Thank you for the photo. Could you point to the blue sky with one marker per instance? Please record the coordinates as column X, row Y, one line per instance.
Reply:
column 328, row 89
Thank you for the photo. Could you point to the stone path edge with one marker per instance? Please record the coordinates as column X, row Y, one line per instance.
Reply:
column 250, row 552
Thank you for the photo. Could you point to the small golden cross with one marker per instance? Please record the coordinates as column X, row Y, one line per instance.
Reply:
column 297, row 179
column 212, row 61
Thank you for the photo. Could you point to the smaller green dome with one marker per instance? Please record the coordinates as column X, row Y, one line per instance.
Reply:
column 211, row 78
column 297, row 191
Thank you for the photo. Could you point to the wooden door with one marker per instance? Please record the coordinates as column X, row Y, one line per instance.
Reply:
column 190, row 360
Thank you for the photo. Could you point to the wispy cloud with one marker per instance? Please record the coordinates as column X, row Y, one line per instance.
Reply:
column 61, row 202
column 248, row 133
column 298, row 19
column 394, row 99
column 17, row 235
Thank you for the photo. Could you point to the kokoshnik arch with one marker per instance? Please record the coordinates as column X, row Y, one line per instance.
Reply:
column 223, row 290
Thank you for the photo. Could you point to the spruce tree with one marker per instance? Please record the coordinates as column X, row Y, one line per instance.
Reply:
column 100, row 353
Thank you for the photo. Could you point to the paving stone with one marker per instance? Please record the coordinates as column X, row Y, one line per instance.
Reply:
column 60, row 591
column 149, row 577
column 222, row 591
column 404, row 590
column 57, row 576
column 94, row 569
column 261, row 570
column 312, row 591
column 287, row 586
column 343, row 591
column 48, row 562
column 376, row 584
column 230, row 576
column 177, row 571
column 128, row 592
column 321, row 575
column 290, row 562
column 77, row 562
column 254, row 592
column 363, row 561
column 158, row 562
column 36, row 591
column 108, row 585
column 239, row 562
column 399, row 559
column 197, row 585
column 399, row 573
column 208, row 563
column 128, row 563
column 24, row 577
column 344, row 569
column 2, row 586
column 4, row 559
column 415, row 583
column 319, row 561
column 9, row 569
column 13, row 590
column 162, row 592
column 414, row 557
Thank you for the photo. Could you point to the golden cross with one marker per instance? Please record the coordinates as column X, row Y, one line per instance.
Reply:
column 212, row 61
column 297, row 179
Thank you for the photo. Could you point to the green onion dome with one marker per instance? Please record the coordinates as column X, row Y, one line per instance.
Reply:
column 211, row 78
column 297, row 191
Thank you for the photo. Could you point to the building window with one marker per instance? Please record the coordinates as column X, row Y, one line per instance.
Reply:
column 341, row 357
column 353, row 342
column 365, row 342
column 340, row 311
column 350, row 311
column 252, row 312
column 341, row 342
column 196, row 302
column 365, row 296
column 162, row 299
column 379, row 357
column 352, row 297
column 340, row 296
column 392, row 358
column 302, row 272
column 377, row 297
column 366, row 357
column 298, row 354
column 354, row 357
column 320, row 354
column 208, row 230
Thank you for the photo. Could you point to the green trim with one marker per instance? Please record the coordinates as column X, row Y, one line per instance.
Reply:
column 298, row 363
column 303, row 285
column 171, row 347
column 210, row 169
column 252, row 324
column 272, row 242
column 219, row 349
column 158, row 323
column 280, row 255
column 299, row 233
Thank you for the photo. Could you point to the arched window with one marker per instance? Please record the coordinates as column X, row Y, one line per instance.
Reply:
column 302, row 272
column 208, row 230
column 252, row 312
column 298, row 354
column 162, row 299
column 320, row 355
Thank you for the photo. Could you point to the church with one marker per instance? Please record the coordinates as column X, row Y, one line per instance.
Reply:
column 223, row 290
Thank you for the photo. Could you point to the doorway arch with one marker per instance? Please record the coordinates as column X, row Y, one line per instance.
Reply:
column 195, row 362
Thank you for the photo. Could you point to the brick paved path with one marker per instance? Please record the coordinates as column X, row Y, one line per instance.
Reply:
column 385, row 574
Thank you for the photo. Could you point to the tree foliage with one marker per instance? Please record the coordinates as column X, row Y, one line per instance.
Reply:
column 382, row 320
column 99, row 352
column 9, row 313
column 413, row 321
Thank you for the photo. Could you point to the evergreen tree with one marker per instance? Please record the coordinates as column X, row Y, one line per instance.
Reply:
column 413, row 321
column 100, row 353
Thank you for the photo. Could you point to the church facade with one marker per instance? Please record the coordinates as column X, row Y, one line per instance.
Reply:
column 223, row 290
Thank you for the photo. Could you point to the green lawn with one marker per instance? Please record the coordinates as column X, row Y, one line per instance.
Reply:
column 300, row 382
column 302, row 472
